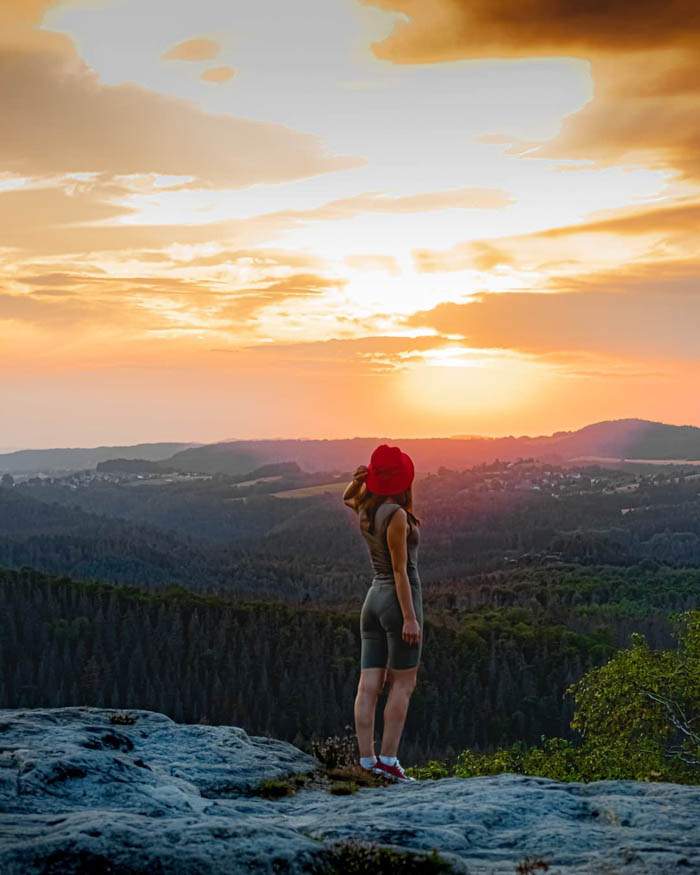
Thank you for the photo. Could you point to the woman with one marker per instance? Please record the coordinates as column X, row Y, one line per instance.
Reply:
column 392, row 614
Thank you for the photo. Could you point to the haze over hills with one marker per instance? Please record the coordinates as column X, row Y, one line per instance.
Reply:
column 612, row 439
column 622, row 438
column 65, row 459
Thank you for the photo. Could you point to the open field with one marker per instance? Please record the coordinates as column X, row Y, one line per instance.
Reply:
column 306, row 491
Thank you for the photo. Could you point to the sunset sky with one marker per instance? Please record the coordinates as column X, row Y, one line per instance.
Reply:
column 331, row 218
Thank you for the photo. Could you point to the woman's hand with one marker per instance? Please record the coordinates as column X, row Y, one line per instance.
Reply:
column 411, row 632
column 360, row 473
column 355, row 486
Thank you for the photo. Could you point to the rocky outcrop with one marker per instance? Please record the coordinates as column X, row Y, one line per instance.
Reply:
column 80, row 793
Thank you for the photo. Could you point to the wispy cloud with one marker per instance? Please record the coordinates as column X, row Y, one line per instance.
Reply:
column 196, row 49
column 218, row 75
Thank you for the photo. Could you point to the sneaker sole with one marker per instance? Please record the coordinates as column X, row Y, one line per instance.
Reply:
column 394, row 778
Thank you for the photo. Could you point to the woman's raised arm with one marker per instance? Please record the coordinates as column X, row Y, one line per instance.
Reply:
column 354, row 486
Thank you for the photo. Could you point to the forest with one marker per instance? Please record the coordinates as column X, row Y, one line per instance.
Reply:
column 492, row 673
column 228, row 535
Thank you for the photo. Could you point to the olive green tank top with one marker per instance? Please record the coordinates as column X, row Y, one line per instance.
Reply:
column 379, row 553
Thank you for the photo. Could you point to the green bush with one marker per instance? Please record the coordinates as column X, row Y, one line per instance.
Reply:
column 637, row 717
column 432, row 769
column 638, row 714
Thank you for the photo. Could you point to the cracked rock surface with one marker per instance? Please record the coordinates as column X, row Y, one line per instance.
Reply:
column 81, row 794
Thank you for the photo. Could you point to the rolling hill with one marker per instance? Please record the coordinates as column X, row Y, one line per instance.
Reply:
column 611, row 439
column 65, row 459
column 621, row 438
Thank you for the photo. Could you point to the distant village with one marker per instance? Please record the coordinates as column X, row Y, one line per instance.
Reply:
column 521, row 475
column 532, row 475
column 90, row 477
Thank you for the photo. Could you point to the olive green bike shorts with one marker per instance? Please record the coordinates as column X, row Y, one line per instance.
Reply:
column 381, row 624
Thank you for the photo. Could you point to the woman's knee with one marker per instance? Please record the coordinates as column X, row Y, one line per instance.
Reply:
column 404, row 680
column 371, row 681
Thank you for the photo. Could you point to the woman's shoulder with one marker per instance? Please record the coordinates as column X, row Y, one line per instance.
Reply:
column 390, row 509
column 388, row 505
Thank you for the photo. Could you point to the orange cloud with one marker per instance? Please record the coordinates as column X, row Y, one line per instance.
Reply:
column 73, row 212
column 218, row 75
column 18, row 27
column 680, row 216
column 377, row 202
column 439, row 30
column 125, row 305
column 199, row 49
column 126, row 129
column 259, row 258
column 644, row 63
column 49, row 95
column 644, row 113
column 670, row 231
column 361, row 355
column 383, row 263
column 244, row 304
column 29, row 212
column 650, row 323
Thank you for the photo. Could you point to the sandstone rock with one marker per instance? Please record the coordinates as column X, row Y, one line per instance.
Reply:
column 80, row 794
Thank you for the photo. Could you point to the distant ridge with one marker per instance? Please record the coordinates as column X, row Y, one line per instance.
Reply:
column 64, row 460
column 613, row 439
column 617, row 439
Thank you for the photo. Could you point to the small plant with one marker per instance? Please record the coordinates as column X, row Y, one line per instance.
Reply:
column 530, row 865
column 336, row 750
column 356, row 775
column 354, row 857
column 276, row 788
column 122, row 718
column 343, row 788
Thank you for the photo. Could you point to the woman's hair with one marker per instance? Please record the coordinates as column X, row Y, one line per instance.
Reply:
column 369, row 502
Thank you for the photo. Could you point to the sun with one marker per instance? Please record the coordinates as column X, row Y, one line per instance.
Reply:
column 457, row 382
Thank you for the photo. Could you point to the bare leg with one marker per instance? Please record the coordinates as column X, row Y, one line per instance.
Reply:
column 368, row 690
column 403, row 682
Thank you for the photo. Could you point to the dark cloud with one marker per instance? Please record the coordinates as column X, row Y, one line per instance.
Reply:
column 644, row 61
column 439, row 30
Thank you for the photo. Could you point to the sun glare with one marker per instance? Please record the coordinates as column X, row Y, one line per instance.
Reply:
column 460, row 381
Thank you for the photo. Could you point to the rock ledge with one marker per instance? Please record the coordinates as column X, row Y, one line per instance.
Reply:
column 79, row 793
